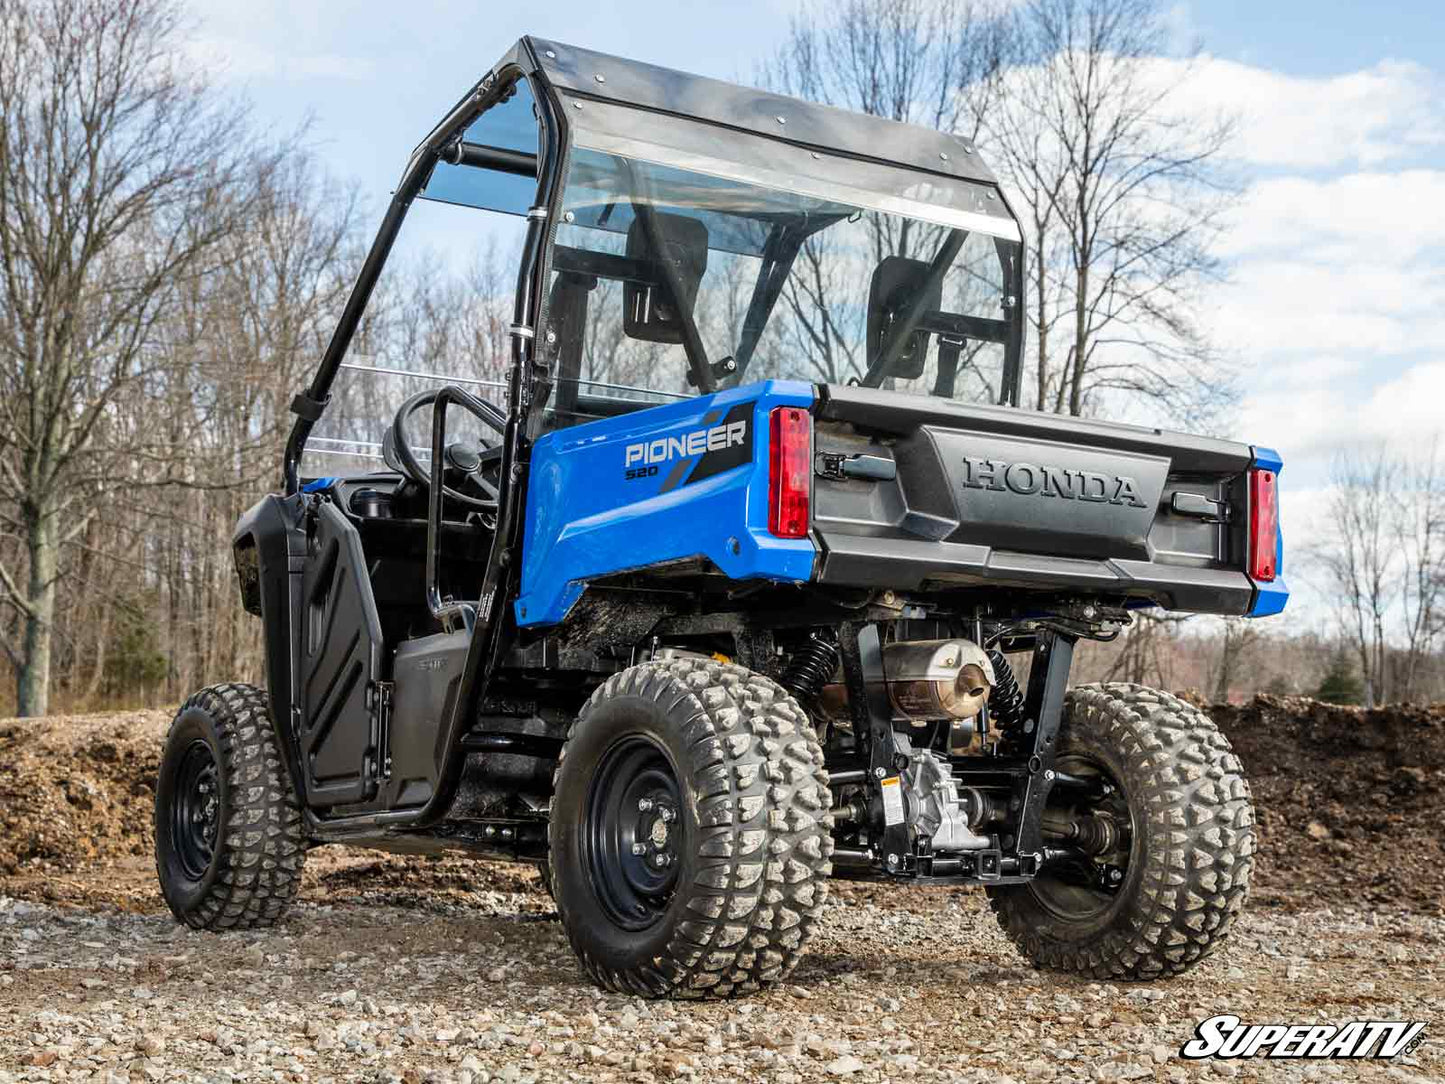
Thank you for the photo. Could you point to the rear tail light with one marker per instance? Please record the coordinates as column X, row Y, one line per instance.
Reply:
column 790, row 471
column 1263, row 525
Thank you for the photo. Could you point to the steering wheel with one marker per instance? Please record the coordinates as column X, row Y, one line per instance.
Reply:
column 458, row 457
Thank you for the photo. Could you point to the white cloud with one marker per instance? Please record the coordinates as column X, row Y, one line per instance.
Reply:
column 238, row 58
column 1303, row 519
column 1393, row 215
column 1334, row 308
column 1407, row 410
column 1376, row 118
column 1308, row 425
column 275, row 39
column 1363, row 118
column 1298, row 307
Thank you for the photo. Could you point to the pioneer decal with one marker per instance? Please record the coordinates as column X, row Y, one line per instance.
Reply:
column 664, row 449
column 691, row 455
column 1030, row 479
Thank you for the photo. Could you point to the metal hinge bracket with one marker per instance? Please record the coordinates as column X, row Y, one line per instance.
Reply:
column 873, row 468
column 378, row 702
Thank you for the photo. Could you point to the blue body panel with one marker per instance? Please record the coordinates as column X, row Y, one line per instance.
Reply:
column 1270, row 598
column 683, row 480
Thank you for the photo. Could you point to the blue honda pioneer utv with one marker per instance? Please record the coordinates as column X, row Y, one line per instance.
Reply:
column 722, row 579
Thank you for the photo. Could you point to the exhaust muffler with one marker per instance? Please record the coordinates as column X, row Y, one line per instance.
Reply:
column 927, row 680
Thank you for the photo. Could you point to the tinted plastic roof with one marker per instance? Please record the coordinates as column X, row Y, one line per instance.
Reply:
column 583, row 73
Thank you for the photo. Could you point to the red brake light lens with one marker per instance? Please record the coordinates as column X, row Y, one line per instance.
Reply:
column 790, row 472
column 1263, row 525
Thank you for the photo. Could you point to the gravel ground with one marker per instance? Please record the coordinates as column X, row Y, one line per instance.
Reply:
column 482, row 987
column 450, row 970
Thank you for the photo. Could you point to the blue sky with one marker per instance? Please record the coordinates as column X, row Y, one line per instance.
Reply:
column 1324, row 37
column 1335, row 307
column 373, row 77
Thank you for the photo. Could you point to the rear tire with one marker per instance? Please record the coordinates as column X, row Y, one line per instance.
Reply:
column 229, row 841
column 1189, row 857
column 689, row 834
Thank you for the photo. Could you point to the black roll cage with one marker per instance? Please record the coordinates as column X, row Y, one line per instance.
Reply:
column 552, row 69
column 490, row 636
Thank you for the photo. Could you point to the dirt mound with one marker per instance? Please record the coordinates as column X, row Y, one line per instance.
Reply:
column 76, row 792
column 1350, row 803
column 77, row 795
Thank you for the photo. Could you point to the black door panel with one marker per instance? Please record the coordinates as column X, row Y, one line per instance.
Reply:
column 340, row 664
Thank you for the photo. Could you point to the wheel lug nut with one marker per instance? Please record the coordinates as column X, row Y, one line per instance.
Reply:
column 667, row 815
column 639, row 848
column 644, row 805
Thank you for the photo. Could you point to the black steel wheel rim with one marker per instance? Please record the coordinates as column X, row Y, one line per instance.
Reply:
column 196, row 810
column 634, row 839
column 1080, row 892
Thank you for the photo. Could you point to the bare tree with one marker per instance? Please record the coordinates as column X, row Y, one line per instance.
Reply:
column 1384, row 564
column 1361, row 557
column 929, row 62
column 1146, row 650
column 1237, row 638
column 1123, row 194
column 233, row 347
column 1420, row 524
column 119, row 177
column 937, row 63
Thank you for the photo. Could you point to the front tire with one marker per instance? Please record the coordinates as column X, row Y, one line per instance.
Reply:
column 689, row 834
column 229, row 841
column 1189, row 845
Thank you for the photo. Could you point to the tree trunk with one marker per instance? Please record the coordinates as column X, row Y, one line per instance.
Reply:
column 1381, row 685
column 1041, row 288
column 96, row 684
column 1367, row 674
column 32, row 684
column 1081, row 341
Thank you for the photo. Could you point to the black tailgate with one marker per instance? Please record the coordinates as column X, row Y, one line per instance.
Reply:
column 1007, row 496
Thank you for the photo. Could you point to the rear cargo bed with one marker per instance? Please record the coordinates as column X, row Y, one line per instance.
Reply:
column 1009, row 497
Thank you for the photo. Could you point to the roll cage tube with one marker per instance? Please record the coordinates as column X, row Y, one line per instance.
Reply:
column 1014, row 353
column 490, row 636
column 493, row 627
column 782, row 248
column 309, row 405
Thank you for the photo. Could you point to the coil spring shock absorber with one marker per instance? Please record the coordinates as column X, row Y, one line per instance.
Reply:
column 811, row 667
column 1006, row 703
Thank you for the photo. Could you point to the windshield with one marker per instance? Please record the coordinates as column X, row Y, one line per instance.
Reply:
column 668, row 281
column 689, row 258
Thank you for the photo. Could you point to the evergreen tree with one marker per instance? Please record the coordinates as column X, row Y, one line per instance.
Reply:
column 1340, row 685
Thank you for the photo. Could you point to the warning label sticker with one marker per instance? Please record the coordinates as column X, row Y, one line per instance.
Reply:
column 892, row 800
